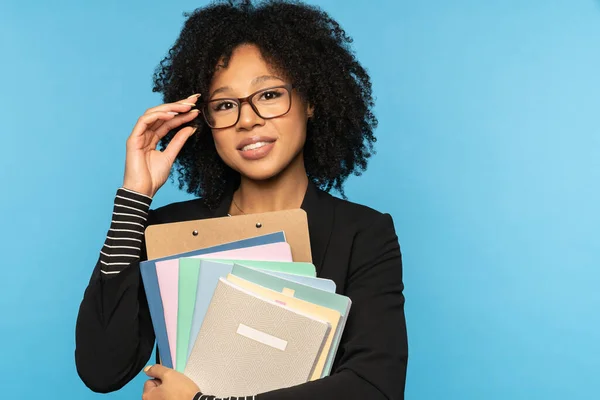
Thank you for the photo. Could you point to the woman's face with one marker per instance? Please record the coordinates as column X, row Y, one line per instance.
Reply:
column 255, row 147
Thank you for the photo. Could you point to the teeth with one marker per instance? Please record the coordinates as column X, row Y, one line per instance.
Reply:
column 254, row 146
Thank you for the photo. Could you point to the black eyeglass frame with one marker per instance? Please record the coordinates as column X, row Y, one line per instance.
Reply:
column 248, row 99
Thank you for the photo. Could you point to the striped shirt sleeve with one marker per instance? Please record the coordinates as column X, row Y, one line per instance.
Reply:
column 200, row 396
column 123, row 244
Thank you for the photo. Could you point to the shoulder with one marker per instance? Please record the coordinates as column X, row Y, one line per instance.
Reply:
column 356, row 215
column 365, row 238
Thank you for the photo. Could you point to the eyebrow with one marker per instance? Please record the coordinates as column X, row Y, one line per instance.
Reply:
column 255, row 81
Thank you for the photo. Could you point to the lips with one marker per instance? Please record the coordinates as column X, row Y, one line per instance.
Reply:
column 254, row 143
column 256, row 148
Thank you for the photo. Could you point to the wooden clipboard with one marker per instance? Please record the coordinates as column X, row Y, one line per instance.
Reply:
column 168, row 239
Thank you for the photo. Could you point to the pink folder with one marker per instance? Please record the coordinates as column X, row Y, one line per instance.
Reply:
column 167, row 272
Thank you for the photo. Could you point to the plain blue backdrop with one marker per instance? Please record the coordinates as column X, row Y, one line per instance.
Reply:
column 488, row 159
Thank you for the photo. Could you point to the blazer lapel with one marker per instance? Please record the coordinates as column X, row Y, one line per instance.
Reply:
column 319, row 209
column 223, row 209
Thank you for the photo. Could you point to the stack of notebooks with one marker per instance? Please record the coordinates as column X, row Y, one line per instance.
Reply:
column 236, row 304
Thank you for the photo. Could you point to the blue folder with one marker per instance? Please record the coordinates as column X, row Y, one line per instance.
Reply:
column 150, row 280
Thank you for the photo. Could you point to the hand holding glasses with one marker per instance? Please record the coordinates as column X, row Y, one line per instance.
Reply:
column 147, row 169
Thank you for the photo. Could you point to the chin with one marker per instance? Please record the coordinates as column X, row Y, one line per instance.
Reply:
column 267, row 168
column 260, row 173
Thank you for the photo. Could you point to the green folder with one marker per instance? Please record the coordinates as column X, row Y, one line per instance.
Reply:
column 188, row 284
column 323, row 298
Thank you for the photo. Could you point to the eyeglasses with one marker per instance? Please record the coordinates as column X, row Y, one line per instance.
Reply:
column 267, row 103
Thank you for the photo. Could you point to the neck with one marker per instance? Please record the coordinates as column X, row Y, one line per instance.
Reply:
column 282, row 192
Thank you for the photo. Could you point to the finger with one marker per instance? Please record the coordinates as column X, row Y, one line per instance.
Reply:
column 156, row 125
column 178, row 106
column 174, row 109
column 176, row 144
column 157, row 371
column 151, row 384
column 167, row 126
column 146, row 120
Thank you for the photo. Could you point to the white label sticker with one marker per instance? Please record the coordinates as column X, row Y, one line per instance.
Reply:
column 262, row 337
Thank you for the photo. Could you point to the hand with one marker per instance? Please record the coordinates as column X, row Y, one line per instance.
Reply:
column 147, row 169
column 168, row 384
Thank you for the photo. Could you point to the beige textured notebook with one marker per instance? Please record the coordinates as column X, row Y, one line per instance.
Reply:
column 324, row 313
column 249, row 345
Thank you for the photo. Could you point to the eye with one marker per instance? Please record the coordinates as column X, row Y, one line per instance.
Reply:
column 272, row 94
column 224, row 105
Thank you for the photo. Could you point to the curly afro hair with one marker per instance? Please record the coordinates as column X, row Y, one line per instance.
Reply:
column 311, row 49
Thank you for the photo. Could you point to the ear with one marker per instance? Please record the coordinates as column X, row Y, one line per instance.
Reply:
column 310, row 110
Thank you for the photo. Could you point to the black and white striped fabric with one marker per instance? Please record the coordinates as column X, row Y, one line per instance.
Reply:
column 123, row 242
column 201, row 396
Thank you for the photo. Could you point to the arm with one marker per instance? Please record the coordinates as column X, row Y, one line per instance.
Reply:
column 200, row 396
column 372, row 359
column 114, row 334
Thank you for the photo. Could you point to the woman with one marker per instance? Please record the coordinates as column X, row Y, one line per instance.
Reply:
column 282, row 115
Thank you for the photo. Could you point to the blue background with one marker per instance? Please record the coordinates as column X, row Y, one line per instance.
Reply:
column 488, row 159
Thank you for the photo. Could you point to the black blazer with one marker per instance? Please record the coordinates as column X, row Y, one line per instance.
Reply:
column 351, row 244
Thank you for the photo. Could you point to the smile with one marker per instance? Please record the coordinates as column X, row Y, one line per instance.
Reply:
column 254, row 146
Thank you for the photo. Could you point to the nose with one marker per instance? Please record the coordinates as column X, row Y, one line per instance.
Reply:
column 248, row 118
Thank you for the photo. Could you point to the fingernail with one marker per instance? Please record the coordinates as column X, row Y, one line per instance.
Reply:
column 188, row 104
column 172, row 113
column 193, row 131
column 195, row 95
column 194, row 110
column 147, row 368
